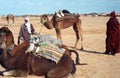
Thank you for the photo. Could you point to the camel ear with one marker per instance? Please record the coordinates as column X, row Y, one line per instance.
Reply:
column 6, row 31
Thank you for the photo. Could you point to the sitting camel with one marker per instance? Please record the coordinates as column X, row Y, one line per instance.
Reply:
column 14, row 57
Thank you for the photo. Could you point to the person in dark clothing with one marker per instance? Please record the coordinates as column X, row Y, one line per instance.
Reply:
column 113, row 35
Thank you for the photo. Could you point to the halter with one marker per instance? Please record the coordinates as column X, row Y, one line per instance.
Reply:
column 2, row 33
column 10, row 48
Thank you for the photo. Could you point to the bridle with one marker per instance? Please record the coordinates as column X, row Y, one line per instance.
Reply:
column 3, row 43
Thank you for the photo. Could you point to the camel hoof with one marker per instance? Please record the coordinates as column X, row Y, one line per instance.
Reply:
column 9, row 73
column 77, row 63
column 81, row 49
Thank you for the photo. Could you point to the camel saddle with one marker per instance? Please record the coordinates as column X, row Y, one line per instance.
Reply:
column 66, row 16
column 47, row 47
column 49, row 51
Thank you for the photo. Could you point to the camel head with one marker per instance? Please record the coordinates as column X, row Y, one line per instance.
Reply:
column 3, row 52
column 45, row 21
column 5, row 33
column 2, row 48
column 6, row 39
column 10, row 16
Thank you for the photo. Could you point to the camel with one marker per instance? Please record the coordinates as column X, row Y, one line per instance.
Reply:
column 15, row 57
column 67, row 21
column 10, row 16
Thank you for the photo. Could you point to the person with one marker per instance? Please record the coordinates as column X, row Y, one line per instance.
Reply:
column 25, row 31
column 113, row 35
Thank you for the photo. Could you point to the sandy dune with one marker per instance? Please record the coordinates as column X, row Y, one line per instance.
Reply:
column 94, row 28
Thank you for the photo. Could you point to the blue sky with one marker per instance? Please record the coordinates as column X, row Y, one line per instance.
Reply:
column 22, row 7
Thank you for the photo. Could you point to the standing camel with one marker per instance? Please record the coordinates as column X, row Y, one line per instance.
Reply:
column 67, row 21
column 10, row 16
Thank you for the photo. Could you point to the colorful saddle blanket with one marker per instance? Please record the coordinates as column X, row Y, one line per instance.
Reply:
column 47, row 47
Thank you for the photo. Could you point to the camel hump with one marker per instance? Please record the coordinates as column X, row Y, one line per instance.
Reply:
column 64, row 14
column 10, row 16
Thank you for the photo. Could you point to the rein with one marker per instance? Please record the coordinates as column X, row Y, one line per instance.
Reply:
column 41, row 29
column 10, row 48
column 1, row 33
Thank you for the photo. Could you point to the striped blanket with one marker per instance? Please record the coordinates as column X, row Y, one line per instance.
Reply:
column 46, row 48
column 50, row 51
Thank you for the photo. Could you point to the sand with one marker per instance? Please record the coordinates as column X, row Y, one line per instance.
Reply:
column 98, row 65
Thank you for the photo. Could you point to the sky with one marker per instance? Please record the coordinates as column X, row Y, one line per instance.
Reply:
column 23, row 7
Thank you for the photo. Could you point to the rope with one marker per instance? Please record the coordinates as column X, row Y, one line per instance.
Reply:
column 41, row 29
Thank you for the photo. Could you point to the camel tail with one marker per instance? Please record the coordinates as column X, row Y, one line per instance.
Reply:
column 77, row 57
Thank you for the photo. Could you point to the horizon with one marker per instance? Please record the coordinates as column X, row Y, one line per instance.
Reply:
column 36, row 7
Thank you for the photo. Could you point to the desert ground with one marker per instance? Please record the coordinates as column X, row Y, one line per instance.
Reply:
column 98, row 65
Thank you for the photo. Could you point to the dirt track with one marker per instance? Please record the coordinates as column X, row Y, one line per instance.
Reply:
column 94, row 29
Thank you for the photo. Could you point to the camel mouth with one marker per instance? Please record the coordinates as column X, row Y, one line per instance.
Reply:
column 42, row 22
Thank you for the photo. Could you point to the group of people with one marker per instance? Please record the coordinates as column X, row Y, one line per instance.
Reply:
column 112, row 33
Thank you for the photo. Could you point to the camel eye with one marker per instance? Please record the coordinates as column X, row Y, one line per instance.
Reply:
column 3, row 30
column 44, row 18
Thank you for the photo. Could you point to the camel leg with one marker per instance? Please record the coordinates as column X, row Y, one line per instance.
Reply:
column 13, row 20
column 9, row 73
column 81, row 35
column 58, row 33
column 62, row 69
column 78, row 30
column 17, row 73
column 77, row 35
column 8, row 21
